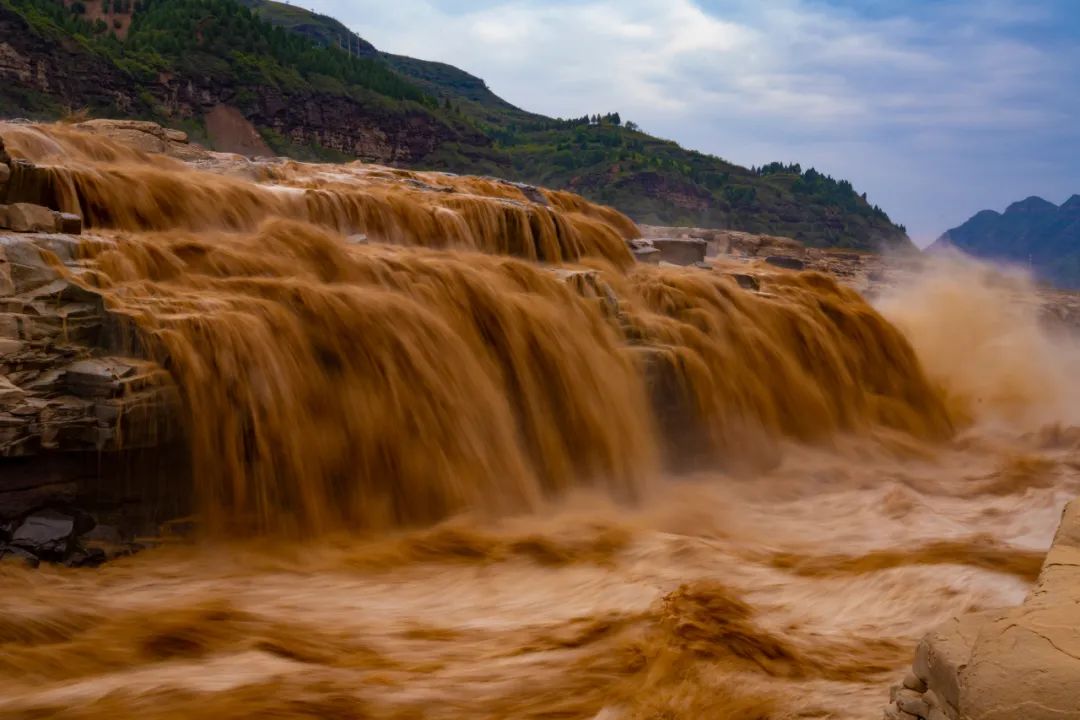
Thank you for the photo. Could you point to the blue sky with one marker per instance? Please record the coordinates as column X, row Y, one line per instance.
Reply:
column 937, row 109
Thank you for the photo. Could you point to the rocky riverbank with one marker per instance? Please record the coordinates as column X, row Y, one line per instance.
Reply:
column 1021, row 662
column 83, row 431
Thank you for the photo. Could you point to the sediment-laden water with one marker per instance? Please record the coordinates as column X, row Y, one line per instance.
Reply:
column 455, row 456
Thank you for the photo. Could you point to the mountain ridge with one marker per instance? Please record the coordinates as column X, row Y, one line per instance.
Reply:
column 284, row 70
column 1033, row 232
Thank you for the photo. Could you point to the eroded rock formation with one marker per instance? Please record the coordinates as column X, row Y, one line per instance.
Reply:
column 1008, row 664
column 79, row 425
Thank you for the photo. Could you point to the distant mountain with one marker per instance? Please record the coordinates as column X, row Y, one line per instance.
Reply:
column 313, row 89
column 1034, row 233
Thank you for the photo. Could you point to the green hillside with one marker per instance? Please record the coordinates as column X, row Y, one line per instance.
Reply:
column 324, row 30
column 284, row 68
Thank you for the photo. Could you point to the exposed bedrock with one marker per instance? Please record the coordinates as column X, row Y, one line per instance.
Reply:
column 1019, row 663
column 81, row 425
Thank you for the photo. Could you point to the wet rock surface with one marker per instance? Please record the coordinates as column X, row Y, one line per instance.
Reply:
column 62, row 535
column 746, row 256
column 644, row 251
column 58, row 389
column 79, row 423
column 680, row 251
column 47, row 534
column 25, row 199
column 729, row 242
column 786, row 261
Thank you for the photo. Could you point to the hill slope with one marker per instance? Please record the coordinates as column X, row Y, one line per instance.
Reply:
column 1032, row 232
column 324, row 30
column 285, row 71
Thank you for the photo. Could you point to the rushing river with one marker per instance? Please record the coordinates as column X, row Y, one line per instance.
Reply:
column 436, row 481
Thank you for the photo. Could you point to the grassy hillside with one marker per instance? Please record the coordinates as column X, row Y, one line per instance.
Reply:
column 218, row 38
column 324, row 30
column 283, row 67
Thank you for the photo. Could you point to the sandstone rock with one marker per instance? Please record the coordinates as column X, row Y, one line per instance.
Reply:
column 911, row 682
column 644, row 251
column 1021, row 662
column 894, row 713
column 97, row 377
column 47, row 534
column 912, row 702
column 786, row 262
column 64, row 247
column 70, row 224
column 25, row 217
column 746, row 282
column 5, row 175
column 680, row 251
column 1026, row 661
column 1025, row 664
column 10, row 393
column 176, row 136
column 531, row 193
column 61, row 432
column 943, row 654
column 106, row 126
column 139, row 134
column 63, row 291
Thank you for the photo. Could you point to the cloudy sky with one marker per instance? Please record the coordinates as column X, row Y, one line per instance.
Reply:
column 935, row 108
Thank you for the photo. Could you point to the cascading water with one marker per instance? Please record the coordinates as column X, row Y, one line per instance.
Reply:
column 435, row 465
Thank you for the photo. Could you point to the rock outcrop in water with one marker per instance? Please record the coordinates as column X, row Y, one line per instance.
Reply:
column 1021, row 662
column 68, row 411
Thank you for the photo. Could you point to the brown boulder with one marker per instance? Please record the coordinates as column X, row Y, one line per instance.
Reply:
column 1016, row 663
column 25, row 217
column 786, row 261
column 70, row 224
column 644, row 252
column 680, row 251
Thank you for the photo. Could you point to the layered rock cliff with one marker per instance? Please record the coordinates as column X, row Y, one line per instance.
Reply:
column 50, row 73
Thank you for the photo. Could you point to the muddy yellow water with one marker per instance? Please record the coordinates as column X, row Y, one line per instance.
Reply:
column 476, row 464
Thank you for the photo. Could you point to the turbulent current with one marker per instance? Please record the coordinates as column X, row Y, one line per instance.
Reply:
column 454, row 455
